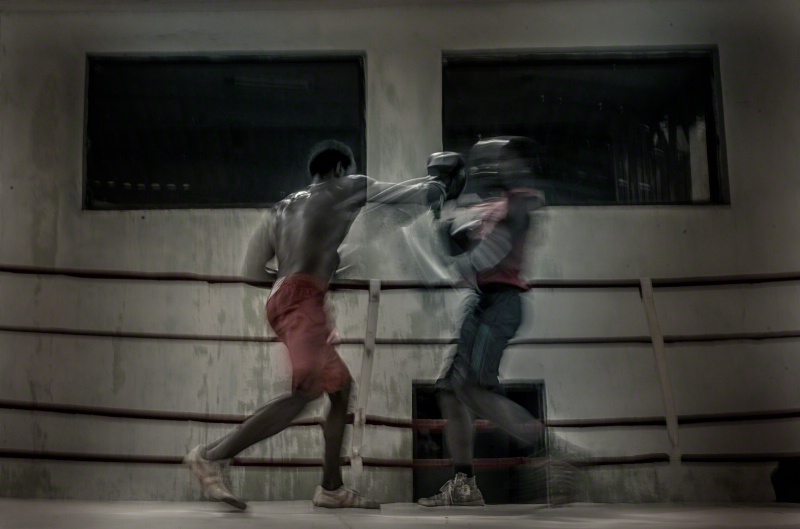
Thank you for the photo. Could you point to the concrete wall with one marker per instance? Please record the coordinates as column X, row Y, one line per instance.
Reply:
column 44, row 47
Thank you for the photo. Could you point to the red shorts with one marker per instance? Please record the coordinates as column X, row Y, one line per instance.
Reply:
column 296, row 311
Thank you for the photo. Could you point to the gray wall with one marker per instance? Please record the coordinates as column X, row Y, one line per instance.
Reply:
column 44, row 47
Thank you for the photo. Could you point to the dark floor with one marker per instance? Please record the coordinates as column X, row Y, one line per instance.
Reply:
column 50, row 514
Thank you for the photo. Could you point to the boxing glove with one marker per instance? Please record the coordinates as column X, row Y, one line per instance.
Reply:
column 448, row 169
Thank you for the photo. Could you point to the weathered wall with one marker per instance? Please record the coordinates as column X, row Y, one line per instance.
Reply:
column 41, row 223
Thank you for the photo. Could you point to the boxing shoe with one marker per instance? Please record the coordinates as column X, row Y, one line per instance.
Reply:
column 460, row 491
column 342, row 498
column 209, row 474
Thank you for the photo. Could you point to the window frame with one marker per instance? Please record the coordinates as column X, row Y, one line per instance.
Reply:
column 635, row 53
column 360, row 149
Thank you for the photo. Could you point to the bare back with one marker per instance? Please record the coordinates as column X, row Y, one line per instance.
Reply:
column 310, row 225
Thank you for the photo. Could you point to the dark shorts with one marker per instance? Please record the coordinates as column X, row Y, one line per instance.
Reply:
column 488, row 325
column 297, row 313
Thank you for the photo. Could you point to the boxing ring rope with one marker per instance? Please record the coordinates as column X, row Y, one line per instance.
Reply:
column 598, row 340
column 360, row 419
column 435, row 425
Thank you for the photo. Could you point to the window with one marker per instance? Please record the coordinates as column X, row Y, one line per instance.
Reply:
column 614, row 128
column 189, row 132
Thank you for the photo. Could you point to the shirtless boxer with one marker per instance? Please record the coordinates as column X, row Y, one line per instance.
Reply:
column 304, row 232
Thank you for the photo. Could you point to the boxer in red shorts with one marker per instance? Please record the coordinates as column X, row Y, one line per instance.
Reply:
column 304, row 232
column 296, row 312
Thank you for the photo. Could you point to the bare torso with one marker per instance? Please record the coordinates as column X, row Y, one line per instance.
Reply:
column 310, row 225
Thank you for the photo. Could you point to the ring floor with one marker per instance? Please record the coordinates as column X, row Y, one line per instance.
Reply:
column 68, row 514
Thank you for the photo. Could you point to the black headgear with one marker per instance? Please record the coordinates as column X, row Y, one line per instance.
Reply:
column 502, row 163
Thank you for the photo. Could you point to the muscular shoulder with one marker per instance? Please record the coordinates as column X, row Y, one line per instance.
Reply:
column 357, row 182
column 354, row 189
column 294, row 197
column 280, row 207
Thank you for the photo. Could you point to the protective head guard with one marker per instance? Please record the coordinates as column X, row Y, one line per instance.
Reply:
column 448, row 168
column 502, row 163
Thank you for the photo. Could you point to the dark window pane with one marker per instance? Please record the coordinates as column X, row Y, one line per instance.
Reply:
column 613, row 130
column 214, row 132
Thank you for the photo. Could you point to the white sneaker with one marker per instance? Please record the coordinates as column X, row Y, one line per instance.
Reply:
column 209, row 474
column 342, row 498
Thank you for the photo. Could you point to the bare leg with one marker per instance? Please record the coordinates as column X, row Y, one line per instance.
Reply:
column 266, row 422
column 332, row 493
column 333, row 432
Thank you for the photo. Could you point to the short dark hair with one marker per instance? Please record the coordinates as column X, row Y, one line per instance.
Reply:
column 326, row 154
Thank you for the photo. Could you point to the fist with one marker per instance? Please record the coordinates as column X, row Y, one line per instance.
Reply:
column 447, row 168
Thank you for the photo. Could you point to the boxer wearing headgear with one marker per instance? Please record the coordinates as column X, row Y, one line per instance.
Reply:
column 304, row 232
column 488, row 240
column 501, row 164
